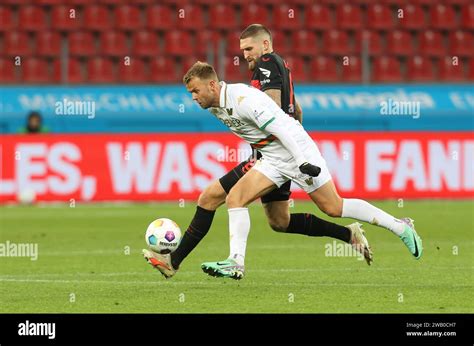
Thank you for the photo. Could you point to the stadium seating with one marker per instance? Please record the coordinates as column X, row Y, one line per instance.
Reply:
column 407, row 40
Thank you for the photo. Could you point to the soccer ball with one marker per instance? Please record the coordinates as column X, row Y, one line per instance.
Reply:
column 163, row 236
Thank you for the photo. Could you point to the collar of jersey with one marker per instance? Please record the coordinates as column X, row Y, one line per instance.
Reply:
column 223, row 95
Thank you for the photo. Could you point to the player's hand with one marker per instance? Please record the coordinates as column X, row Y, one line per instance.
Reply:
column 310, row 169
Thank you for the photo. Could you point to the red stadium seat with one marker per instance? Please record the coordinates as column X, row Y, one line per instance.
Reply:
column 431, row 43
column 399, row 43
column 223, row 17
column 461, row 43
column 74, row 72
column 61, row 18
column 413, row 17
column 336, row 42
column 286, row 17
column 31, row 18
column 386, row 69
column 352, row 71
column 379, row 17
column 113, row 43
column 207, row 42
column 6, row 16
column 189, row 61
column 35, row 70
column 318, row 17
column 450, row 72
column 190, row 17
column 8, row 70
column 178, row 43
column 374, row 42
column 323, row 69
column 17, row 43
column 163, row 70
column 16, row 2
column 160, row 17
column 79, row 2
column 113, row 2
column 100, row 70
column 297, row 67
column 467, row 16
column 420, row 69
column 280, row 43
column 48, row 43
column 232, row 41
column 127, row 17
column 49, row 2
column 96, row 17
column 133, row 73
column 254, row 13
column 442, row 17
column 349, row 17
column 145, row 43
column 81, row 43
column 304, row 43
column 233, row 73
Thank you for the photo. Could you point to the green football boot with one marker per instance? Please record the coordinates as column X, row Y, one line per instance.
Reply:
column 224, row 269
column 411, row 239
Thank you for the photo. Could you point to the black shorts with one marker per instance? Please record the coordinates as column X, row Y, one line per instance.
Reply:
column 232, row 177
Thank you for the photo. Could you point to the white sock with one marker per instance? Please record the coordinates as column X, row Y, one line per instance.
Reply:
column 364, row 211
column 239, row 228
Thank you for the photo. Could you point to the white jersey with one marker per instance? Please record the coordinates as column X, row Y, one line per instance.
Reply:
column 256, row 118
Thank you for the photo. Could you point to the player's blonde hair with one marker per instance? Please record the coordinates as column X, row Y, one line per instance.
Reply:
column 201, row 70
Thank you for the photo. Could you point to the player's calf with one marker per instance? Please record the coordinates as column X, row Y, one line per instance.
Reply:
column 212, row 197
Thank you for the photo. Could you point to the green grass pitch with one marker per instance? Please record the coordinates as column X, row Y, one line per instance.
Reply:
column 89, row 260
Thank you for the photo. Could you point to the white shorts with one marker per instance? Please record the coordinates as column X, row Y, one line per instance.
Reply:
column 280, row 171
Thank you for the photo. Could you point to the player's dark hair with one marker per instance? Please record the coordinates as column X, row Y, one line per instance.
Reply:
column 201, row 70
column 254, row 30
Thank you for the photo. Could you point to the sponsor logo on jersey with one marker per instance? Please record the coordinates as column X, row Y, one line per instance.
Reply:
column 229, row 111
column 265, row 81
column 265, row 72
column 231, row 122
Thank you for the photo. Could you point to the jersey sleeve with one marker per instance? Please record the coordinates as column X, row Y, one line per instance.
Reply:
column 270, row 123
column 268, row 74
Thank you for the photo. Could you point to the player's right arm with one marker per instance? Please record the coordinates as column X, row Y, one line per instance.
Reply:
column 275, row 95
column 298, row 112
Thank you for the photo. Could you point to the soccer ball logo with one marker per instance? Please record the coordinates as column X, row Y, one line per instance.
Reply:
column 169, row 236
column 163, row 236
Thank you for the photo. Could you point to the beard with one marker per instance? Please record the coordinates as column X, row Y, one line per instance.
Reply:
column 251, row 65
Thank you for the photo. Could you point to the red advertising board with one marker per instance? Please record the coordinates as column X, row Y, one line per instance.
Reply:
column 147, row 167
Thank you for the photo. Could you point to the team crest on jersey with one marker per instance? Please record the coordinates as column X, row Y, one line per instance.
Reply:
column 240, row 99
column 265, row 72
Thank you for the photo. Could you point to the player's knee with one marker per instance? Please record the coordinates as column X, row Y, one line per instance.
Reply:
column 279, row 224
column 333, row 210
column 210, row 198
column 233, row 200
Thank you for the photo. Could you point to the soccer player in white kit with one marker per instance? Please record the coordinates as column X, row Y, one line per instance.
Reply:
column 288, row 153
